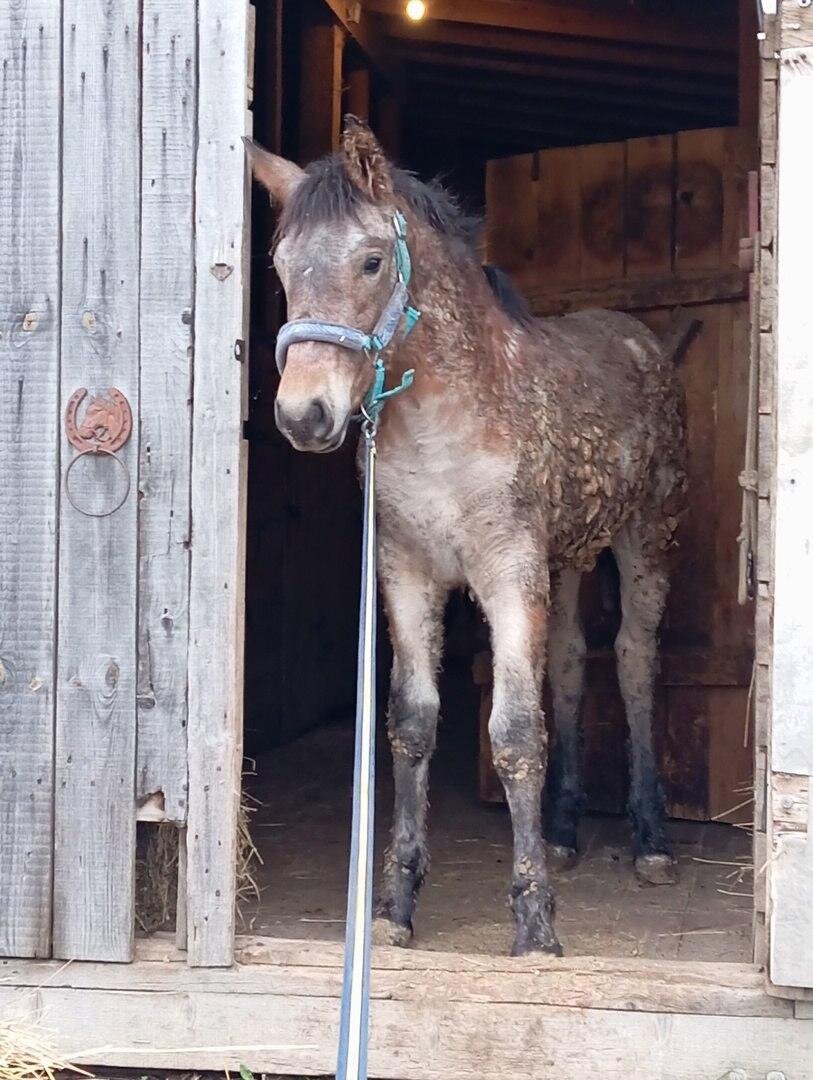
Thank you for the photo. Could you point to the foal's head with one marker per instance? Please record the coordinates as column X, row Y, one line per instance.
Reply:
column 335, row 255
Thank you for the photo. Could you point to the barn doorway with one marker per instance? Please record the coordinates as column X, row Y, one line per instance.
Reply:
column 611, row 168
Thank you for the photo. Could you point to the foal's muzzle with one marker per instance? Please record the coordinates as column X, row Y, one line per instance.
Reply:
column 310, row 429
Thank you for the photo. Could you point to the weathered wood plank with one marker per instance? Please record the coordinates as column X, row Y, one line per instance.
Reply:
column 305, row 969
column 791, row 900
column 29, row 371
column 791, row 744
column 449, row 1027
column 669, row 290
column 96, row 681
column 167, row 295
column 797, row 25
column 218, row 483
column 792, row 732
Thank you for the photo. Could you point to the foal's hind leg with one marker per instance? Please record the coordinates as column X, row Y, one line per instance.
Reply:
column 415, row 609
column 566, row 672
column 517, row 616
column 644, row 584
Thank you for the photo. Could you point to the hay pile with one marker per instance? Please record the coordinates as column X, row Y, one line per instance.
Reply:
column 26, row 1052
column 157, row 861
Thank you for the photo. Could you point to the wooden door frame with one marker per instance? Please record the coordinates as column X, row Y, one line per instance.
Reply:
column 786, row 451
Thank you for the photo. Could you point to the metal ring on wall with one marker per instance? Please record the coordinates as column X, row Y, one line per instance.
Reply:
column 91, row 513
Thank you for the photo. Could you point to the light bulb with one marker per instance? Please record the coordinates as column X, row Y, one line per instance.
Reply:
column 415, row 10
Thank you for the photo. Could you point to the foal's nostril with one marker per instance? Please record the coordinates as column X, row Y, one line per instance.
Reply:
column 314, row 423
column 316, row 415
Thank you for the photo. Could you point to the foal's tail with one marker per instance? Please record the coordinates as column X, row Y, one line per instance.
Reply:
column 511, row 299
column 679, row 334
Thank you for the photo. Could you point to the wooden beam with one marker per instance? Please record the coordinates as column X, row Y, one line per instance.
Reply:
column 433, row 1015
column 219, row 468
column 660, row 57
column 670, row 290
column 95, row 745
column 690, row 87
column 320, row 89
column 440, row 81
column 631, row 24
column 29, row 448
column 538, row 110
column 354, row 18
column 357, row 94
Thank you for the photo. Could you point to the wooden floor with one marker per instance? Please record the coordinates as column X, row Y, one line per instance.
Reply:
column 302, row 827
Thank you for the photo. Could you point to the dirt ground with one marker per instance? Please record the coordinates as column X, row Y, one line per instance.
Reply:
column 302, row 833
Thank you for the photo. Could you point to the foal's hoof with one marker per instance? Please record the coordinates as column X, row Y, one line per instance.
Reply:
column 386, row 932
column 659, row 869
column 561, row 858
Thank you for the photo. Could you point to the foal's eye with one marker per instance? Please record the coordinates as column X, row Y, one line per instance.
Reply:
column 372, row 265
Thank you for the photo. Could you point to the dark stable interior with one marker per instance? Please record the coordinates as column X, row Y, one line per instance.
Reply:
column 445, row 97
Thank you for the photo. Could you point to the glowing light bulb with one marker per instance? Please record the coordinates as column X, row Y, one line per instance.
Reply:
column 415, row 10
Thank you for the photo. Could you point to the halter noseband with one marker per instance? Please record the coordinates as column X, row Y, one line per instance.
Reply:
column 373, row 344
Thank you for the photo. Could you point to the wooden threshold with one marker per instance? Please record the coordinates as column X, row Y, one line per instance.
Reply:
column 434, row 1015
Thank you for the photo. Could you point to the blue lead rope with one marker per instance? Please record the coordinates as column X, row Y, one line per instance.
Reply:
column 354, row 1022
column 397, row 314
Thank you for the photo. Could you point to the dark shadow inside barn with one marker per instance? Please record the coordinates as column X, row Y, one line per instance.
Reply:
column 608, row 145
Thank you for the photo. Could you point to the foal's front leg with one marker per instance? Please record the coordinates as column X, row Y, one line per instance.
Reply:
column 517, row 612
column 415, row 606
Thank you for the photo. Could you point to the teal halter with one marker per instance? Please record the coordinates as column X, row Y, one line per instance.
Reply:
column 373, row 344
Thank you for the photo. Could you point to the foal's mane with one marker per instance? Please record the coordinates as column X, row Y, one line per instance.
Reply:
column 327, row 194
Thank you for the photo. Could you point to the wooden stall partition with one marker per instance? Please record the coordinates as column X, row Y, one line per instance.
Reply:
column 30, row 50
column 646, row 226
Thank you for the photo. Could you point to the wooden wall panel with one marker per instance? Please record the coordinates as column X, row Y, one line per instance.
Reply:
column 642, row 226
column 699, row 200
column 601, row 196
column 218, row 482
column 557, row 245
column 95, row 724
column 512, row 223
column 29, row 372
column 167, row 293
column 650, row 219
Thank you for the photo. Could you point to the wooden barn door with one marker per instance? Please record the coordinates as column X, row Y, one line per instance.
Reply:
column 122, row 216
column 645, row 226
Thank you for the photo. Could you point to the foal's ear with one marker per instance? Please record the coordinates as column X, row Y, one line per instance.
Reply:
column 280, row 176
column 366, row 162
